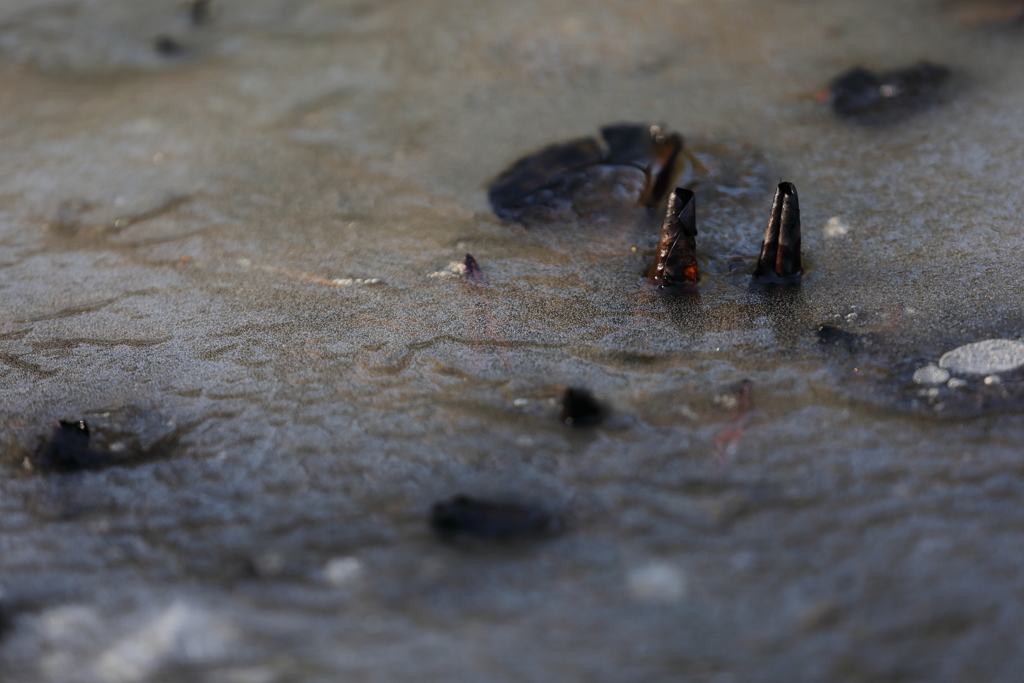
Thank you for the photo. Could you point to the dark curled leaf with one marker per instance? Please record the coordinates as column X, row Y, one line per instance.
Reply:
column 865, row 94
column 632, row 165
column 467, row 517
column 67, row 450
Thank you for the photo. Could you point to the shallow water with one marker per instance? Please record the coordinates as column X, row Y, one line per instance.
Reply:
column 239, row 258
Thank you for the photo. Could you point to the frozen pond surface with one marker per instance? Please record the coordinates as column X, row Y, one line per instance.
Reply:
column 236, row 257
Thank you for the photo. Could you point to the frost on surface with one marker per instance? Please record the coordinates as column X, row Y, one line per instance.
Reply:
column 177, row 634
column 243, row 260
column 80, row 644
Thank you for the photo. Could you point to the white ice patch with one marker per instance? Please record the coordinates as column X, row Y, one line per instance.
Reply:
column 454, row 269
column 835, row 227
column 988, row 357
column 657, row 582
column 180, row 633
column 931, row 375
column 349, row 281
column 688, row 412
column 67, row 621
column 66, row 631
column 341, row 571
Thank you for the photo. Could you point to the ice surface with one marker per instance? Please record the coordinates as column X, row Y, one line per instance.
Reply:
column 230, row 257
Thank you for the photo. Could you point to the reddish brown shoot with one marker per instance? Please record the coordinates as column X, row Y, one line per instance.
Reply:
column 780, row 249
column 675, row 262
column 471, row 271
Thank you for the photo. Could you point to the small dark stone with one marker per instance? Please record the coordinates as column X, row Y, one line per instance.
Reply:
column 675, row 261
column 166, row 46
column 862, row 93
column 67, row 450
column 780, row 250
column 580, row 408
column 467, row 517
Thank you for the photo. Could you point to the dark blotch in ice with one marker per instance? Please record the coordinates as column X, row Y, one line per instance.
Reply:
column 580, row 408
column 675, row 262
column 780, row 250
column 633, row 165
column 67, row 450
column 166, row 46
column 465, row 517
column 829, row 335
column 863, row 93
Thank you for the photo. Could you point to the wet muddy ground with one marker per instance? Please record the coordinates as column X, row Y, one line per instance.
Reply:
column 230, row 246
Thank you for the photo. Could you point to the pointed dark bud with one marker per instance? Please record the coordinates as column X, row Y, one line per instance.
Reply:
column 471, row 270
column 675, row 263
column 780, row 250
